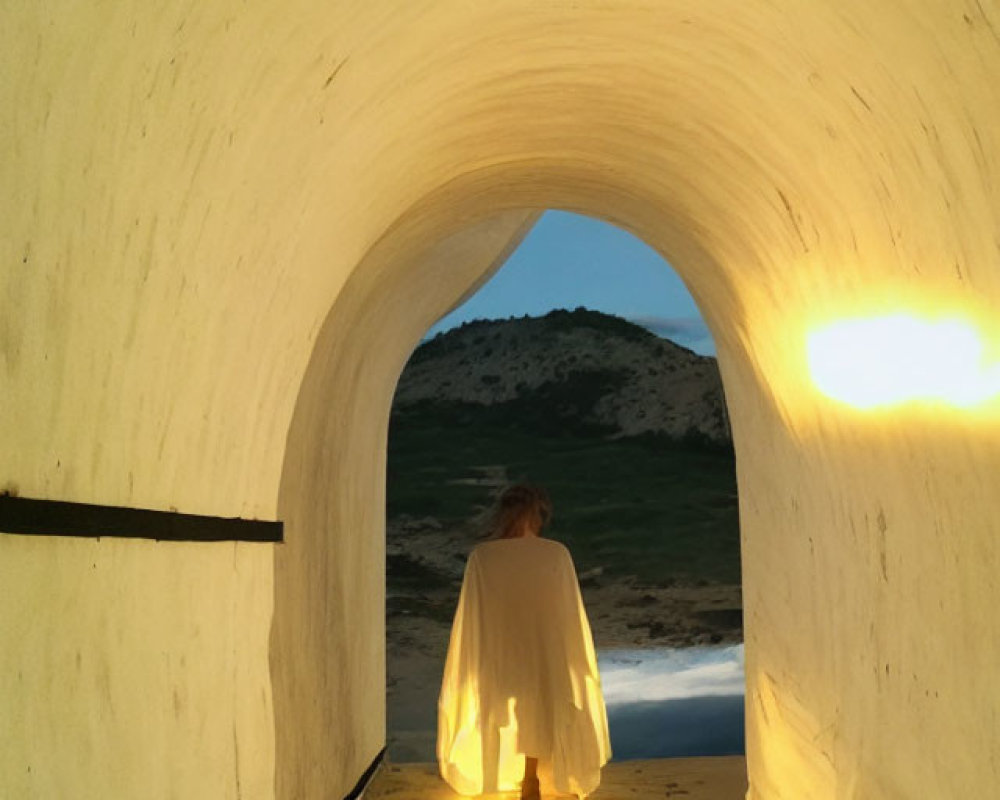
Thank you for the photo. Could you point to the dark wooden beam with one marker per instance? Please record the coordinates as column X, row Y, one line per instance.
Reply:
column 59, row 518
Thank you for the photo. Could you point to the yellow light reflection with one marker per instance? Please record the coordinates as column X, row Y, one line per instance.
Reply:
column 510, row 768
column 901, row 358
column 796, row 751
column 463, row 762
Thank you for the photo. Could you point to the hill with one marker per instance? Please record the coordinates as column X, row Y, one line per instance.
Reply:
column 627, row 431
column 570, row 371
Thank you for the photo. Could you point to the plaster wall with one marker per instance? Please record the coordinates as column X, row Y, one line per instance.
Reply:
column 135, row 669
column 328, row 634
column 190, row 191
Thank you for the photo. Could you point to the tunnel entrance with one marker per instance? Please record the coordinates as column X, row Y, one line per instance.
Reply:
column 616, row 407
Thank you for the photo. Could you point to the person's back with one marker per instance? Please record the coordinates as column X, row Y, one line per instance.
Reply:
column 528, row 582
column 521, row 685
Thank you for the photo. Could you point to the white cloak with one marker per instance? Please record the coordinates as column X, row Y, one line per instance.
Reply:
column 521, row 676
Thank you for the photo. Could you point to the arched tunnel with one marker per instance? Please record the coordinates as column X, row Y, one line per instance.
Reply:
column 226, row 226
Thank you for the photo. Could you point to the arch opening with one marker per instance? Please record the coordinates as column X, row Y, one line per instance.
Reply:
column 627, row 431
column 332, row 498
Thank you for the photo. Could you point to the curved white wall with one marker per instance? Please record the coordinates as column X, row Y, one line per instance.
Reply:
column 189, row 192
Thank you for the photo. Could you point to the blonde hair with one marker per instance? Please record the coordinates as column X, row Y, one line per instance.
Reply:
column 519, row 508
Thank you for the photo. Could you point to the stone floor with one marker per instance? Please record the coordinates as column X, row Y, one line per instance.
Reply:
column 722, row 778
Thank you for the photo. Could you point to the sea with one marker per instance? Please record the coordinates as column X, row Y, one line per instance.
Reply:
column 672, row 703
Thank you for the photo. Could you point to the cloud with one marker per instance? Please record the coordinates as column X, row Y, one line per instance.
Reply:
column 683, row 330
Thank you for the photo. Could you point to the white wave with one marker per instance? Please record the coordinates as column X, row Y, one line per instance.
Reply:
column 634, row 676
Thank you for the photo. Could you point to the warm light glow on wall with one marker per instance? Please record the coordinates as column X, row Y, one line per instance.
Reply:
column 789, row 758
column 901, row 358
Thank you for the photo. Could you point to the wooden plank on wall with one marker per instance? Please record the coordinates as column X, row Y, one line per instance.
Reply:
column 58, row 518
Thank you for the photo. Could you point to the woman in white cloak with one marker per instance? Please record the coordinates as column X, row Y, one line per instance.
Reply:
column 521, row 701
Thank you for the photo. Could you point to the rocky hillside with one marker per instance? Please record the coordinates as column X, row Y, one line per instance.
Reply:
column 570, row 368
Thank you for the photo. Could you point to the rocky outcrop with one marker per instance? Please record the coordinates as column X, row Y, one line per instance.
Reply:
column 579, row 366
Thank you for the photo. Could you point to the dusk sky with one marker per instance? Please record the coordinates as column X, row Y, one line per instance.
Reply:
column 568, row 260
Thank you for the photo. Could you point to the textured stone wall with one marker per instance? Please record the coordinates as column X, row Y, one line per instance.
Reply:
column 219, row 230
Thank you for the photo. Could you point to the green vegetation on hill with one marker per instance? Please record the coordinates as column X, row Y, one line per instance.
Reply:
column 562, row 320
column 659, row 509
column 555, row 321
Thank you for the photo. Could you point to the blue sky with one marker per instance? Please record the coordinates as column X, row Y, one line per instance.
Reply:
column 568, row 260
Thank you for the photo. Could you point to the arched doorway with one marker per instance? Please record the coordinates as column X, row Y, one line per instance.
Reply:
column 767, row 247
column 628, row 433
column 360, row 598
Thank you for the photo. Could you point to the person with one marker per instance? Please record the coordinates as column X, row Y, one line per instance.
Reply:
column 520, row 700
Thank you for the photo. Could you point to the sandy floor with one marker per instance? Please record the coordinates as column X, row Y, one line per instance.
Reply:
column 688, row 778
